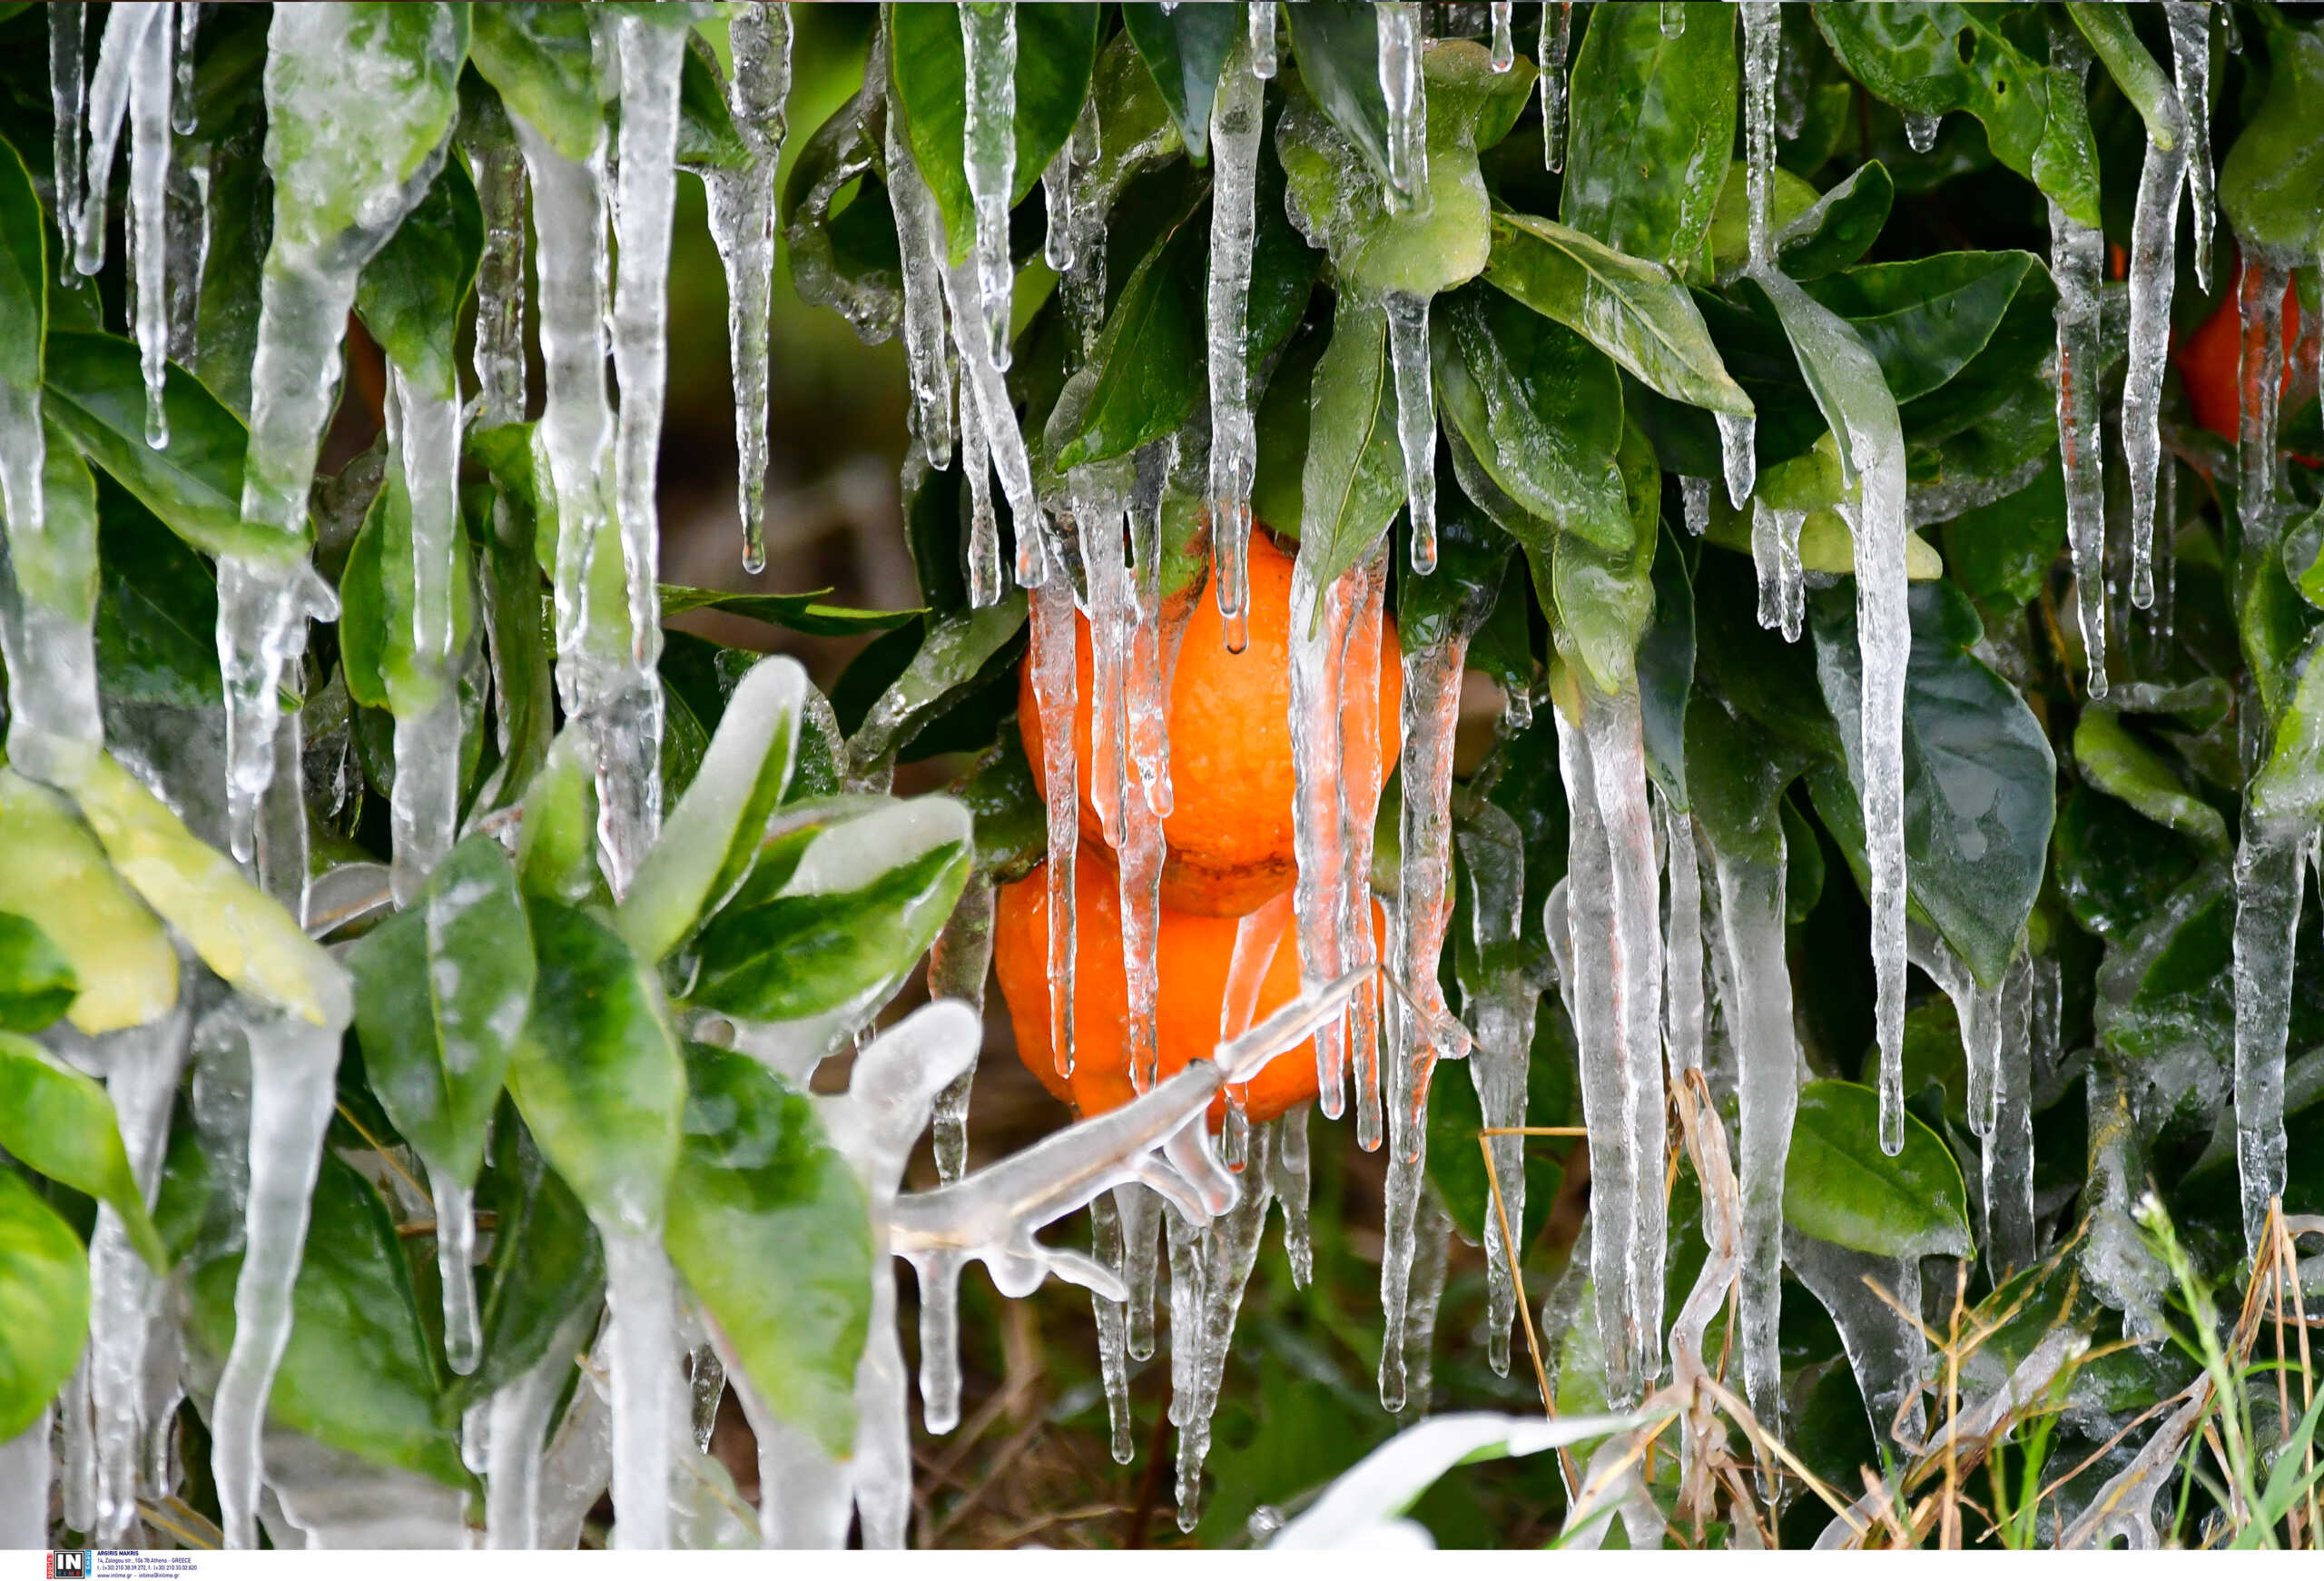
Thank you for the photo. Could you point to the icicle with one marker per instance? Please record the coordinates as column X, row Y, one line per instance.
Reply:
column 1235, row 123
column 989, row 41
column 1401, row 1202
column 1502, row 1005
column 1920, row 131
column 151, row 74
column 1682, row 1025
column 1146, row 686
column 1317, row 643
column 742, row 223
column 957, row 965
column 1408, row 357
column 2154, row 245
column 121, row 62
column 1774, row 555
column 1361, row 776
column 1436, row 1238
column 1757, row 1002
column 1557, row 37
column 1504, row 42
column 185, row 115
column 79, row 1474
column 1613, row 890
column 1674, row 19
column 1055, row 682
column 424, row 803
column 1762, row 59
column 993, row 407
column 1736, row 438
column 919, row 239
column 642, row 1355
column 1141, row 1220
column 1061, row 243
column 500, row 368
column 68, row 94
column 1885, row 1349
column 985, row 586
column 2260, row 384
column 2010, row 1238
column 1695, row 494
column 1231, row 1249
column 1401, row 87
column 2076, row 254
column 2267, row 883
column 292, row 1066
column 520, row 1416
column 142, row 1066
column 1113, row 1324
column 1289, row 1179
column 1262, row 39
column 629, row 781
column 456, row 1267
column 2190, row 59
column 1431, row 719
column 26, row 1473
column 1188, row 1269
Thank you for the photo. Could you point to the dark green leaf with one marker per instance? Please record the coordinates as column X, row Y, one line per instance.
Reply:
column 802, row 612
column 376, row 650
column 43, row 1303
column 1184, row 46
column 540, row 56
column 24, row 278
column 1924, row 319
column 157, row 609
column 1010, row 819
column 1837, row 229
column 2112, row 866
column 708, row 139
column 61, row 1123
column 2000, row 553
column 37, row 980
column 547, row 1265
column 1351, row 484
column 1839, row 1186
column 1339, row 48
column 1666, row 672
column 759, row 1188
column 1653, row 128
column 2269, row 181
column 411, row 292
column 2115, row 760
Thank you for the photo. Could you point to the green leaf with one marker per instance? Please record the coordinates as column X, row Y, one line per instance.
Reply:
column 1538, row 411
column 2001, row 380
column 2119, row 763
column 1837, row 229
column 2166, row 991
column 36, row 979
column 1472, row 555
column 1185, row 46
column 1602, row 600
column 411, row 292
column 1980, row 782
column 2000, row 554
column 24, row 280
column 1924, row 319
column 1933, row 59
column 835, row 913
column 708, row 139
column 547, row 1265
column 241, row 932
column 357, row 1373
column 1845, row 378
column 557, row 840
column 712, row 835
column 597, row 1075
column 1338, row 45
column 1653, row 128
column 95, row 391
column 1633, row 311
column 441, row 991
column 761, row 1188
column 1005, row 807
column 541, row 58
column 56, row 877
column 61, row 1123
column 2115, row 42
column 1057, row 49
column 948, row 661
column 1839, row 1186
column 848, row 260
column 43, row 1304
column 2112, row 866
column 802, row 612
column 1727, row 244
column 1666, row 671
column 382, row 660
column 2269, row 181
column 1352, row 482
column 157, row 609
column 508, row 524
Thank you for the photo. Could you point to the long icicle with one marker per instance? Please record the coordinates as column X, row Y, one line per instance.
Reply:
column 1361, row 776
column 1501, row 1004
column 1318, row 637
column 2190, row 59
column 2076, row 255
column 424, row 803
column 1402, row 88
column 1235, row 123
column 920, row 241
column 1557, row 37
column 2268, row 884
column 1054, row 684
column 119, row 56
column 151, row 74
column 989, row 43
column 2154, row 233
column 68, row 97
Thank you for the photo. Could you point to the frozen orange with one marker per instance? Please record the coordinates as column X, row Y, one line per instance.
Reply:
column 1192, row 963
column 1229, row 830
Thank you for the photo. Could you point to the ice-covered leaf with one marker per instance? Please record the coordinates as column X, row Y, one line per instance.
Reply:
column 708, row 139
column 157, row 607
column 441, row 993
column 848, row 260
column 36, row 978
column 1351, row 478
column 1338, row 45
column 57, row 877
column 1006, row 809
column 802, row 612
column 2000, row 554
column 1839, row 1186
column 2004, row 379
column 378, row 653
column 2269, row 181
column 1632, row 310
column 1183, row 48
column 25, row 273
column 410, row 295
column 760, row 1188
column 1980, row 782
column 43, row 1303
column 540, row 57
column 950, row 657
column 713, row 835
column 241, row 933
column 547, row 1263
column 2119, row 763
column 95, row 391
column 1930, row 60
column 1601, row 598
column 356, row 1374
column 1057, row 49
column 1653, row 119
column 1837, row 229
column 556, row 843
column 1472, row 555
column 1537, row 411
column 597, row 1075
column 61, row 1123
column 1927, row 318
column 836, row 910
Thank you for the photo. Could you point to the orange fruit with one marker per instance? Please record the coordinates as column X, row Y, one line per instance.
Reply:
column 2210, row 361
column 1192, row 962
column 1229, row 830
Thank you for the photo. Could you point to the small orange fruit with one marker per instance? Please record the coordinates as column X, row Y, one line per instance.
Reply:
column 1192, row 959
column 2211, row 361
column 1229, row 830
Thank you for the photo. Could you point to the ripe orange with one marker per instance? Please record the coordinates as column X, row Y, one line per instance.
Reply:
column 1229, row 829
column 2210, row 361
column 1193, row 959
